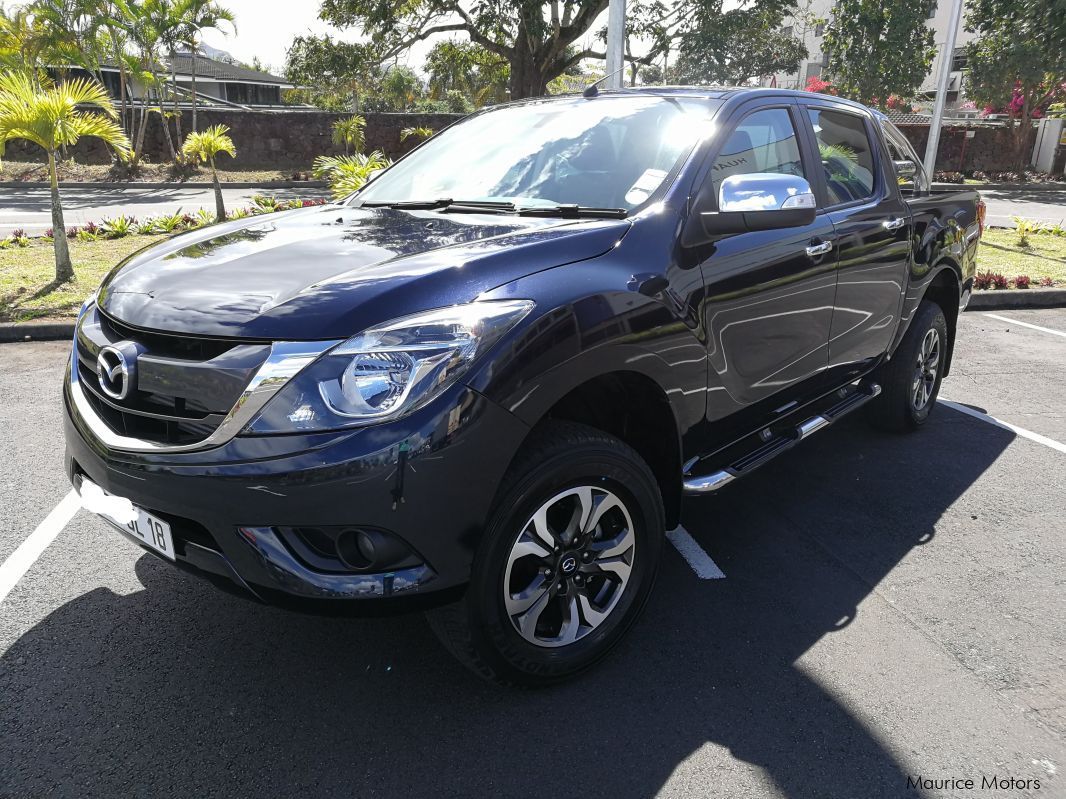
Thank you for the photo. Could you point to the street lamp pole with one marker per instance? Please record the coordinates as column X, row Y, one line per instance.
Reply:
column 947, row 55
column 616, row 36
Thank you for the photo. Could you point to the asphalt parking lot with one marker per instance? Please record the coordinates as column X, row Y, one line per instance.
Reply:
column 892, row 610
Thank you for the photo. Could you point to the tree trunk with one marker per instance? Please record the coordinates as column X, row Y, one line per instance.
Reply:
column 193, row 52
column 220, row 206
column 1024, row 127
column 166, row 133
column 174, row 101
column 527, row 77
column 124, row 113
column 64, row 268
column 142, row 125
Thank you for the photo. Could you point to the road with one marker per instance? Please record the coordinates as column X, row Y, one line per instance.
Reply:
column 891, row 609
column 1042, row 203
column 30, row 208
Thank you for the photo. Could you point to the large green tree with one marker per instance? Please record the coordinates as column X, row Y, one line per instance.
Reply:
column 1018, row 65
column 540, row 41
column 535, row 38
column 467, row 68
column 877, row 48
column 730, row 46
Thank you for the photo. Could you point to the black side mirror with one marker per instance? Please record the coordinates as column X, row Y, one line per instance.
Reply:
column 759, row 201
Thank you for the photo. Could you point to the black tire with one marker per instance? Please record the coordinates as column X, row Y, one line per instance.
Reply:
column 908, row 392
column 558, row 458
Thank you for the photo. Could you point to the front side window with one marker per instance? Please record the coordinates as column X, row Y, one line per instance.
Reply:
column 764, row 141
column 846, row 155
column 900, row 149
column 605, row 152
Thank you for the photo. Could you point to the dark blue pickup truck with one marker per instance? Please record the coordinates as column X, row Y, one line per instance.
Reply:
column 483, row 383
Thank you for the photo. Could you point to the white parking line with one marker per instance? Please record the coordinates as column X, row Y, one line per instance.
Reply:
column 19, row 562
column 1021, row 431
column 700, row 561
column 1026, row 324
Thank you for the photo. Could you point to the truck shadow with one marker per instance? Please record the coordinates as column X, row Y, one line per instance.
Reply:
column 182, row 690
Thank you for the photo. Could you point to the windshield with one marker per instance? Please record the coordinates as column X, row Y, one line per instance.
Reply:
column 606, row 152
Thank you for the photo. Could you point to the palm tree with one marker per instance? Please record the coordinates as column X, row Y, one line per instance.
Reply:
column 204, row 147
column 196, row 17
column 349, row 132
column 49, row 116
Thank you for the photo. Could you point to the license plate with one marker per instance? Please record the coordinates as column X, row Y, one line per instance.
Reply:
column 150, row 530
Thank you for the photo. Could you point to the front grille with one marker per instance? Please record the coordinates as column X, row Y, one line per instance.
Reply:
column 185, row 385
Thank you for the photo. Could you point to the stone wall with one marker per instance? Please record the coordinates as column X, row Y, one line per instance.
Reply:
column 264, row 139
column 989, row 149
column 291, row 140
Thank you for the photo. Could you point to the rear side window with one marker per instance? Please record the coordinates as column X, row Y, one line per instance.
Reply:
column 846, row 155
column 764, row 141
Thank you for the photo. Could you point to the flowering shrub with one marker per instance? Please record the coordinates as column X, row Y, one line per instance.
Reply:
column 819, row 86
column 999, row 281
column 1022, row 282
column 982, row 280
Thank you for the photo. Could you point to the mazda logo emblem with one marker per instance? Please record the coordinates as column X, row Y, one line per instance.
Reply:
column 116, row 368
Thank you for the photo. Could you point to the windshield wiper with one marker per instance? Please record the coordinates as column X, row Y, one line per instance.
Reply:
column 444, row 203
column 568, row 211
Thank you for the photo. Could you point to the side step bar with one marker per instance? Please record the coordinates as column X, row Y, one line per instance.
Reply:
column 709, row 483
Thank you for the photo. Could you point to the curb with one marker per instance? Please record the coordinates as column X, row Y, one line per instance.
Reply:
column 1047, row 185
column 1005, row 300
column 277, row 184
column 36, row 331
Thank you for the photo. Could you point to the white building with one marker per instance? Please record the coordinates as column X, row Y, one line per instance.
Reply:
column 812, row 18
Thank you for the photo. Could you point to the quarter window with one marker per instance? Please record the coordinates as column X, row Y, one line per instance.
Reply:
column 764, row 141
column 846, row 155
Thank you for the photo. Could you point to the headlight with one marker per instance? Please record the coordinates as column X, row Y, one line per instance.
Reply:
column 388, row 371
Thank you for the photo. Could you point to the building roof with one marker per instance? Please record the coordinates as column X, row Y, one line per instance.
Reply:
column 220, row 70
column 904, row 118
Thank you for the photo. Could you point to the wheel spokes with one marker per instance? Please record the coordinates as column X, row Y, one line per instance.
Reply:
column 527, row 621
column 569, row 566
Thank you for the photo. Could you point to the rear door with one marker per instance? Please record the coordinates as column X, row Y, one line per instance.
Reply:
column 855, row 186
column 769, row 302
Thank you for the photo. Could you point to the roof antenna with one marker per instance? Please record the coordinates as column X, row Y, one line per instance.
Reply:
column 592, row 91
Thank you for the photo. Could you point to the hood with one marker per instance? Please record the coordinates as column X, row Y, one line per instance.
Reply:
column 329, row 272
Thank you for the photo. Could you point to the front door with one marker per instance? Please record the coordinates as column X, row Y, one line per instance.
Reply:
column 769, row 298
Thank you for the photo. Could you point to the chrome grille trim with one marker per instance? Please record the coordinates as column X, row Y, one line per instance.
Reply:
column 285, row 360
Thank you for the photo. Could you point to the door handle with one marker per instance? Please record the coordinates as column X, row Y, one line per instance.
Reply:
column 894, row 224
column 814, row 250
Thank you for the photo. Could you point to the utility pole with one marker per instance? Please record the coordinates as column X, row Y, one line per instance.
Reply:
column 947, row 55
column 616, row 37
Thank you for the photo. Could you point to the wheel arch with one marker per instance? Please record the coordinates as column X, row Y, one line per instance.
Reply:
column 945, row 290
column 633, row 407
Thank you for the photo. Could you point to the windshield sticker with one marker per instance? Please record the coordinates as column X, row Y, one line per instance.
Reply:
column 645, row 185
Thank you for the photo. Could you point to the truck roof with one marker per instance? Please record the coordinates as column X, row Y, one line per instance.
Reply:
column 722, row 92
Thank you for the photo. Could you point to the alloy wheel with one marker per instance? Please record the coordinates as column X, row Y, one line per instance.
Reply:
column 925, row 369
column 569, row 566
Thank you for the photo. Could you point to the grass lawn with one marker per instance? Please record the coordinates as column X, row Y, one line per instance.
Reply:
column 26, row 274
column 1045, row 257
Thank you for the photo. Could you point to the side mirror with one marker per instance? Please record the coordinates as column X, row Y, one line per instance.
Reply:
column 758, row 201
column 905, row 169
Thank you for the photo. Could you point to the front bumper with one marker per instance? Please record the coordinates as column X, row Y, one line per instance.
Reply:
column 428, row 479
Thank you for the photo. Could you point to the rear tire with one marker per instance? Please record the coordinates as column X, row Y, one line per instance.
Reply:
column 567, row 562
column 910, row 382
